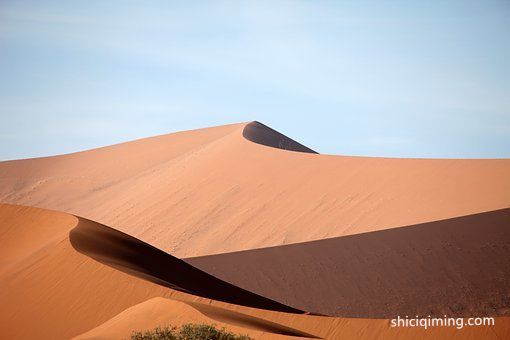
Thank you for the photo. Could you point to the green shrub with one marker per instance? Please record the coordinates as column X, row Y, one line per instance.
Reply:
column 160, row 333
column 188, row 332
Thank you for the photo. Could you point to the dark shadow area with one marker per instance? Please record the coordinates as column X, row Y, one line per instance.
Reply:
column 130, row 255
column 262, row 134
column 455, row 267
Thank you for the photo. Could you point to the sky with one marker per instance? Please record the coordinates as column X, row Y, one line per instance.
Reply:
column 424, row 79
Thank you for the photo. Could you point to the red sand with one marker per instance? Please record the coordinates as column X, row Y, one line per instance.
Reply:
column 58, row 293
column 233, row 188
column 213, row 191
column 457, row 267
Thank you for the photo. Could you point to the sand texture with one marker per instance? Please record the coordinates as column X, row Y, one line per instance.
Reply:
column 243, row 227
column 212, row 191
column 458, row 267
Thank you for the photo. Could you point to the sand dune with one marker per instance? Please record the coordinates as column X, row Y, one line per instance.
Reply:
column 58, row 293
column 159, row 312
column 212, row 190
column 457, row 267
column 292, row 231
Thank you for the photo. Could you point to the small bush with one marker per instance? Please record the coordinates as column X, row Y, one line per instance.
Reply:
column 160, row 333
column 188, row 332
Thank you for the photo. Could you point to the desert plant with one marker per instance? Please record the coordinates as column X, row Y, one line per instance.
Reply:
column 159, row 333
column 188, row 332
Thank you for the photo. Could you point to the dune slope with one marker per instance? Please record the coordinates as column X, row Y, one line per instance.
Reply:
column 457, row 267
column 158, row 312
column 140, row 259
column 212, row 190
column 58, row 293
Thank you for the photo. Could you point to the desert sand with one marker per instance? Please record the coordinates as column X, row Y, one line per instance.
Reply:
column 212, row 191
column 270, row 232
column 457, row 267
column 59, row 293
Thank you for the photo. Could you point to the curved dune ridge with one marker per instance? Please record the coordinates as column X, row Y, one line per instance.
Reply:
column 159, row 312
column 156, row 312
column 265, row 234
column 212, row 191
column 457, row 267
column 263, row 134
column 52, row 291
column 140, row 259
column 59, row 293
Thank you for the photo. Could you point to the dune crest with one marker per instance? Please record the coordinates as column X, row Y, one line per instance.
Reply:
column 211, row 191
column 36, row 290
column 140, row 259
column 158, row 312
column 263, row 134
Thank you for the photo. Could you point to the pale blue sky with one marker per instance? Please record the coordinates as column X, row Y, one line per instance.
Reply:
column 403, row 79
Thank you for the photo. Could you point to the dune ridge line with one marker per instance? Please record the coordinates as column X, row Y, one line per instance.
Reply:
column 262, row 134
column 133, row 256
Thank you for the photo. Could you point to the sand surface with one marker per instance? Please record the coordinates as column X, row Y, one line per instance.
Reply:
column 275, row 225
column 212, row 191
column 159, row 311
column 456, row 267
column 57, row 292
column 61, row 293
column 137, row 258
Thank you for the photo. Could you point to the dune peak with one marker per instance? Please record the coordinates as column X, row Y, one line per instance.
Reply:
column 263, row 134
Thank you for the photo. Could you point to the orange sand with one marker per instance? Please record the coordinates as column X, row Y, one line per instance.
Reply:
column 58, row 293
column 218, row 190
column 212, row 191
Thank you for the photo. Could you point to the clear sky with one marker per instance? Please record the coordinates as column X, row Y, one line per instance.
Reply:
column 403, row 79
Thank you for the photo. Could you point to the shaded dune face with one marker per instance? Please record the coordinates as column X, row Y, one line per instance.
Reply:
column 128, row 254
column 459, row 267
column 262, row 134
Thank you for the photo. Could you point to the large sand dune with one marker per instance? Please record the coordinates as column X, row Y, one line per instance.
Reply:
column 269, row 223
column 212, row 191
column 59, row 293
